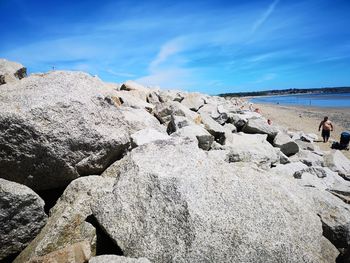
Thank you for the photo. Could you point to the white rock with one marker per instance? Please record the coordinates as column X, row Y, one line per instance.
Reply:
column 146, row 136
column 11, row 71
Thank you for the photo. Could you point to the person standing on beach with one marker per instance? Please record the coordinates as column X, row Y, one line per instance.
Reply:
column 327, row 127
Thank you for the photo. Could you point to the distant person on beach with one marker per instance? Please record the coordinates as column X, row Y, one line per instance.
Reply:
column 327, row 127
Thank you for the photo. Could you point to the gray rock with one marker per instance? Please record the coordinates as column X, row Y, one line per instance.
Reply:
column 66, row 224
column 283, row 158
column 11, row 71
column 128, row 100
column 260, row 126
column 214, row 128
column 197, row 133
column 303, row 145
column 164, row 111
column 286, row 144
column 338, row 162
column 146, row 136
column 186, row 207
column 117, row 259
column 170, row 95
column 178, row 122
column 21, row 215
column 251, row 148
column 136, row 90
column 193, row 101
column 58, row 126
column 335, row 217
column 308, row 158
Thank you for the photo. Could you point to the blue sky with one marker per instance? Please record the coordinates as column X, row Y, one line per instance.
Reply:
column 208, row 46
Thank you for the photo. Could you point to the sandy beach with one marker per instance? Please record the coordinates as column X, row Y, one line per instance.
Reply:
column 307, row 119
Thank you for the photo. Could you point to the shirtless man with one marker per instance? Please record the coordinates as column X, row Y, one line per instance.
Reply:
column 327, row 127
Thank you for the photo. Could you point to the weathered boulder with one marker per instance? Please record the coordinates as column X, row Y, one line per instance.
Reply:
column 197, row 133
column 260, row 126
column 117, row 259
column 128, row 100
column 193, row 101
column 67, row 222
column 289, row 169
column 335, row 217
column 135, row 89
column 164, row 111
column 303, row 145
column 251, row 148
column 286, row 144
column 21, row 215
column 307, row 157
column 11, row 71
column 337, row 162
column 214, row 128
column 170, row 95
column 178, row 122
column 75, row 253
column 146, row 136
column 186, row 207
column 58, row 126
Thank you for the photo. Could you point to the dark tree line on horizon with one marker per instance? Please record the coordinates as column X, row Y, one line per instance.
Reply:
column 286, row 92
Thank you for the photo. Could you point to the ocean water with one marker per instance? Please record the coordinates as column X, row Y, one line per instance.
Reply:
column 328, row 100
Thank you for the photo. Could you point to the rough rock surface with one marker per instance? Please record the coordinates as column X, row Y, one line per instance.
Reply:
column 166, row 210
column 251, row 148
column 193, row 101
column 117, row 259
column 146, row 136
column 55, row 127
column 66, row 224
column 75, row 253
column 21, row 215
column 11, row 71
column 259, row 125
column 197, row 133
column 286, row 144
column 337, row 162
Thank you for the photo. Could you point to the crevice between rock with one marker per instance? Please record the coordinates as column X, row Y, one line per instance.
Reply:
column 104, row 244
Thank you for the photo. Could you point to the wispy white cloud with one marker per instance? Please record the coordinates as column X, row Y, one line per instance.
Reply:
column 168, row 49
column 266, row 77
column 268, row 12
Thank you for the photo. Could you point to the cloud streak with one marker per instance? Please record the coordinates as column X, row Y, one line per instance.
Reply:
column 268, row 12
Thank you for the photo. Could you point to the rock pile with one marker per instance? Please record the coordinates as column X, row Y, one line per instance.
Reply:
column 160, row 176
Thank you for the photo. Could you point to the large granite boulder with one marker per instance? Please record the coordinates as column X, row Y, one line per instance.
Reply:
column 165, row 111
column 337, row 162
column 21, row 215
column 146, row 136
column 11, row 71
column 171, row 203
column 260, row 126
column 286, row 144
column 193, row 101
column 58, row 126
column 197, row 133
column 67, row 223
column 251, row 148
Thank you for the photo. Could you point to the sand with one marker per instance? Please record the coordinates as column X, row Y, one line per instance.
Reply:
column 307, row 119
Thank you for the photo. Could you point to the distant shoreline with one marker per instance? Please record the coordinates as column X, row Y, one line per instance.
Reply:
column 307, row 119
